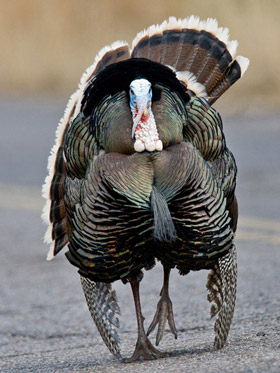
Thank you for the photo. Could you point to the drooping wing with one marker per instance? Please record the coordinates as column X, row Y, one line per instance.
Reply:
column 221, row 285
column 104, row 309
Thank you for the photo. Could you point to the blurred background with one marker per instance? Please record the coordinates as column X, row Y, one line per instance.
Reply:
column 44, row 321
column 46, row 45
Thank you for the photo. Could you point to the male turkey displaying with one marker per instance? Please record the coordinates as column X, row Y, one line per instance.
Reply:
column 140, row 172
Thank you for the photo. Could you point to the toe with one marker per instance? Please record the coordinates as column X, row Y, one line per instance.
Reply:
column 146, row 351
column 164, row 312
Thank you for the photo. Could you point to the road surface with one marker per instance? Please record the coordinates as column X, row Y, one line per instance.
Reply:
column 45, row 325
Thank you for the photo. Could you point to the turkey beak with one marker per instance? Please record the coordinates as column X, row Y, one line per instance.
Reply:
column 141, row 108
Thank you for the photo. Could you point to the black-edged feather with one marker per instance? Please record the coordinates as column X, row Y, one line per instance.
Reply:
column 117, row 78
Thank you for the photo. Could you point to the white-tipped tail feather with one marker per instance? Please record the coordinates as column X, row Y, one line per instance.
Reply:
column 191, row 83
column 192, row 22
column 243, row 63
column 90, row 71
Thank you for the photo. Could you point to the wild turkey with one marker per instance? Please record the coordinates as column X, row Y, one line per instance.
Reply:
column 140, row 172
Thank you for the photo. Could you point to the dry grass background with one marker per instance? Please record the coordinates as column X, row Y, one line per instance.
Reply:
column 46, row 45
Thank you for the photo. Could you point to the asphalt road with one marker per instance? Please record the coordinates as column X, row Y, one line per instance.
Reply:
column 44, row 322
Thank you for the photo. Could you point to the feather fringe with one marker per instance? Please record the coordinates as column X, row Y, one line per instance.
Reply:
column 191, row 83
column 243, row 63
column 192, row 22
column 90, row 71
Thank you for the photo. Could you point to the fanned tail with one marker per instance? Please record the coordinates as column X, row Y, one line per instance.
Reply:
column 103, row 306
column 199, row 51
column 221, row 284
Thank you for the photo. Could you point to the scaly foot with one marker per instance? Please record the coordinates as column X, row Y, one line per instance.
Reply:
column 164, row 312
column 145, row 350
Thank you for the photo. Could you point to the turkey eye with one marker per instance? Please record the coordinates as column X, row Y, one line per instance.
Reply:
column 131, row 91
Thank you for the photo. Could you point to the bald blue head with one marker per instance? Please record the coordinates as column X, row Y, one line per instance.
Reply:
column 140, row 100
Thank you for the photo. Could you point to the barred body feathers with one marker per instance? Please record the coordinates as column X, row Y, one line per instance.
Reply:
column 140, row 172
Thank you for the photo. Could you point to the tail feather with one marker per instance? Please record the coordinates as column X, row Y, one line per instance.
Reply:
column 233, row 74
column 169, row 47
column 115, row 53
column 155, row 47
column 235, row 71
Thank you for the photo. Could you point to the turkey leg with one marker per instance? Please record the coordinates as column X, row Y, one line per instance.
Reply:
column 144, row 349
column 164, row 311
